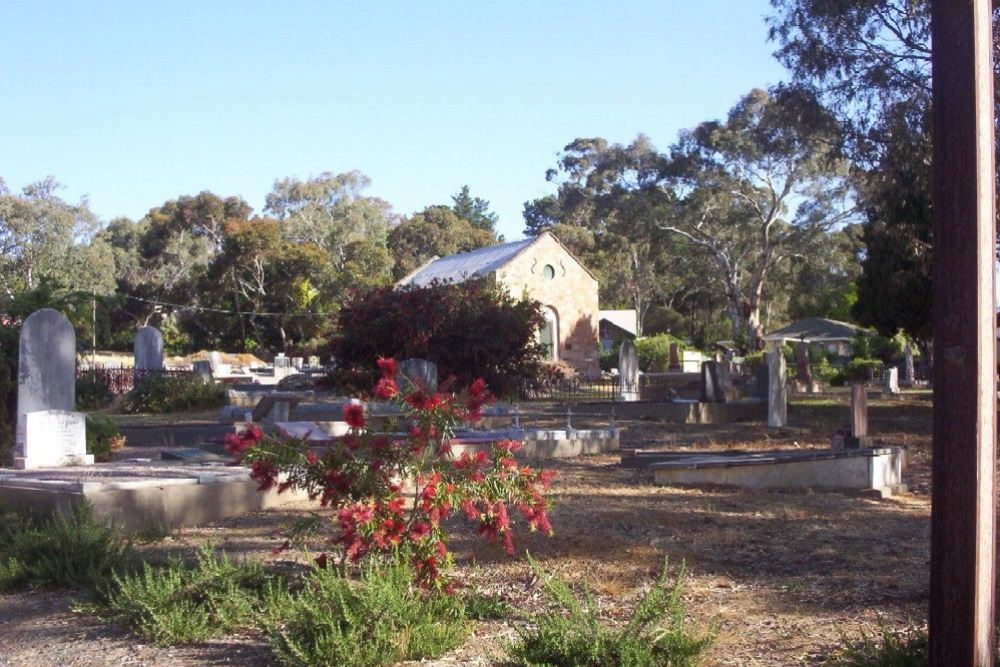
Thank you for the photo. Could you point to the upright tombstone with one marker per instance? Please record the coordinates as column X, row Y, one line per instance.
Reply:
column 49, row 433
column 777, row 392
column 675, row 357
column 628, row 371
column 802, row 371
column 713, row 382
column 908, row 371
column 762, row 381
column 892, row 380
column 202, row 370
column 148, row 350
column 418, row 372
column 859, row 418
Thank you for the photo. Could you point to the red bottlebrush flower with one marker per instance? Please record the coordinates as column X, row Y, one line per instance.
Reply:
column 388, row 367
column 311, row 458
column 354, row 415
column 508, row 463
column 546, row 477
column 477, row 388
column 417, row 400
column 509, row 446
column 420, row 531
column 386, row 388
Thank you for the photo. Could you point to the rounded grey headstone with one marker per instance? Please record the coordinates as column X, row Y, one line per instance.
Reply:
column 46, row 366
column 148, row 349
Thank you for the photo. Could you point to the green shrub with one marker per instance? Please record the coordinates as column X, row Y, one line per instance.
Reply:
column 755, row 360
column 654, row 352
column 608, row 359
column 487, row 607
column 379, row 619
column 165, row 393
column 572, row 636
column 176, row 604
column 103, row 437
column 890, row 648
column 92, row 393
column 68, row 549
column 862, row 370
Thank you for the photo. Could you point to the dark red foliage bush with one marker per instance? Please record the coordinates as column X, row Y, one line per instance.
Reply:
column 470, row 330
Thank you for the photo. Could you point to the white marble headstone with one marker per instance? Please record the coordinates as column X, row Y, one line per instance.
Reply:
column 54, row 438
column 148, row 349
column 628, row 369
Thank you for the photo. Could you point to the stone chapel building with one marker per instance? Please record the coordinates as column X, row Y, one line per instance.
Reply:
column 548, row 272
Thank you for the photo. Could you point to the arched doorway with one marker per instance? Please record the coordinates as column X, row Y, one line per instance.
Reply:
column 548, row 334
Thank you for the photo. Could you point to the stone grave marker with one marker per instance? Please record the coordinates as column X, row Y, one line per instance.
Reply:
column 313, row 361
column 777, row 391
column 628, row 371
column 46, row 383
column 892, row 380
column 859, row 437
column 148, row 352
column 714, row 381
column 675, row 357
column 762, row 378
column 297, row 363
column 419, row 372
column 908, row 371
column 202, row 369
column 802, row 371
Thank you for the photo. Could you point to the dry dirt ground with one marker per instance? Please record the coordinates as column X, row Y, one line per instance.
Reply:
column 783, row 576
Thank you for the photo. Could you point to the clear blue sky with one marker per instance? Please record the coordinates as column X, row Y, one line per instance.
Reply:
column 133, row 103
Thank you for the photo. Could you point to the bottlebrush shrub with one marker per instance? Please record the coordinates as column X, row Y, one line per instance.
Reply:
column 470, row 330
column 393, row 491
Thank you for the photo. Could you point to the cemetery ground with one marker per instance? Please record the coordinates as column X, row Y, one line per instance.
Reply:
column 782, row 576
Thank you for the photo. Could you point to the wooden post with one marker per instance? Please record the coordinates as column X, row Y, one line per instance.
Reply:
column 963, row 517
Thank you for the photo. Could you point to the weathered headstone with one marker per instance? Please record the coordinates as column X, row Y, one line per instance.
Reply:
column 802, row 371
column 419, row 372
column 46, row 381
column 297, row 363
column 628, row 371
column 908, row 372
column 777, row 392
column 148, row 351
column 313, row 361
column 203, row 370
column 714, row 380
column 675, row 357
column 892, row 380
column 859, row 437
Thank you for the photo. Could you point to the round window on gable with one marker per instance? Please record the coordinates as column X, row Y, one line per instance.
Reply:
column 549, row 272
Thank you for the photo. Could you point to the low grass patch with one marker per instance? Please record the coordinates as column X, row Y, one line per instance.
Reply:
column 571, row 635
column 67, row 549
column 888, row 647
column 177, row 604
column 378, row 619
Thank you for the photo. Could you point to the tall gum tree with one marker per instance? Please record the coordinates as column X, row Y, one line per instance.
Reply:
column 755, row 190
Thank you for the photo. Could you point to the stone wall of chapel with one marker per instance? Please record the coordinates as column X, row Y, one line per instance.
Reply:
column 571, row 293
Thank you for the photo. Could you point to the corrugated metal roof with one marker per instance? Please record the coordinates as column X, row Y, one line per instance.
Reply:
column 815, row 329
column 623, row 319
column 456, row 268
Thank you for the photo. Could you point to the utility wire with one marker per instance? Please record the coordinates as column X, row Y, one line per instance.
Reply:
column 221, row 311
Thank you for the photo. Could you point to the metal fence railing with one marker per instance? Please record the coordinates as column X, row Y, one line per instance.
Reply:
column 121, row 379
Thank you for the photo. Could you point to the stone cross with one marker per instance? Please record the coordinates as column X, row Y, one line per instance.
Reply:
column 48, row 431
column 777, row 392
column 628, row 371
column 675, row 357
column 148, row 352
column 802, row 371
column 418, row 372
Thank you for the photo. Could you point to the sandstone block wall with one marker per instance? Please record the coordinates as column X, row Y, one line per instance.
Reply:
column 571, row 292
